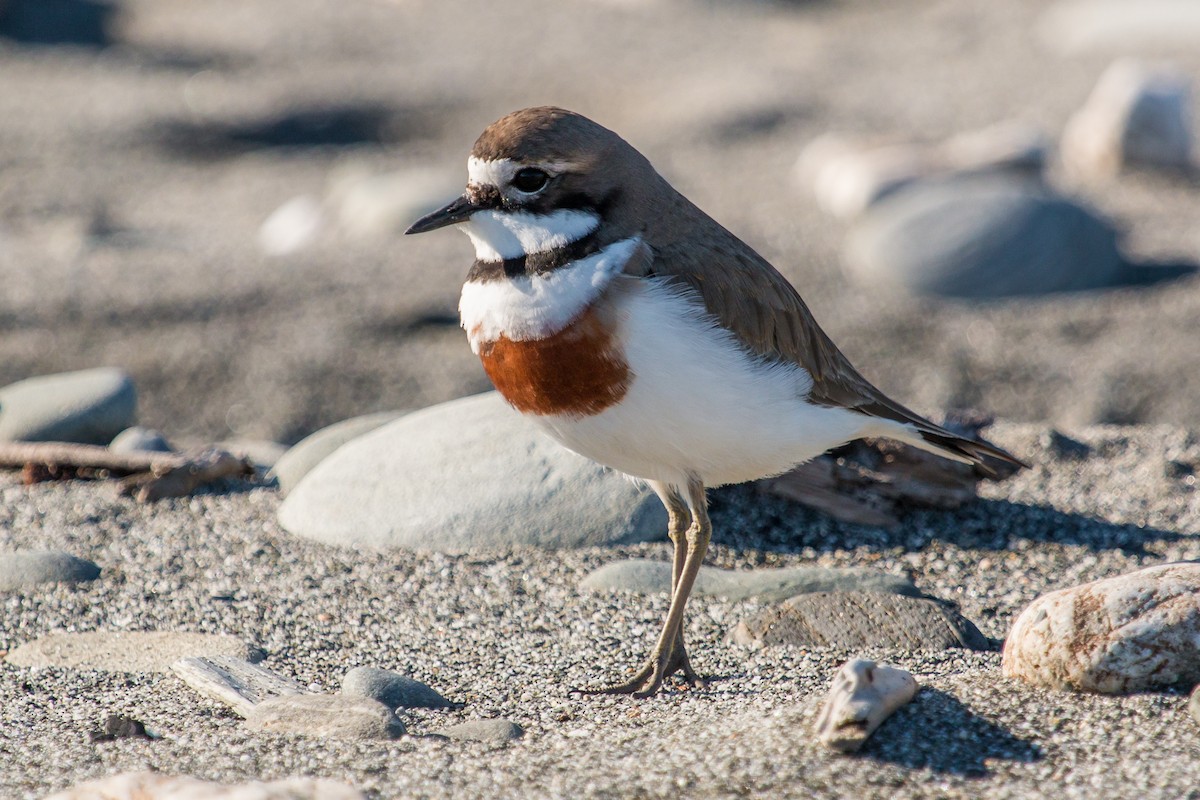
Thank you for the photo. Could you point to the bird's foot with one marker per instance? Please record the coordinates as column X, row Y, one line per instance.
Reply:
column 649, row 679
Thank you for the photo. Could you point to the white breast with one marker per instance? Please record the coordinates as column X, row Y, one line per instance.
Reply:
column 699, row 403
column 535, row 306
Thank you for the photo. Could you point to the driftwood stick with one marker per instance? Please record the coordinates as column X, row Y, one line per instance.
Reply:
column 16, row 455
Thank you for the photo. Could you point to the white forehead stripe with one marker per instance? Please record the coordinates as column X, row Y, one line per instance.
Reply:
column 490, row 173
column 501, row 235
column 535, row 306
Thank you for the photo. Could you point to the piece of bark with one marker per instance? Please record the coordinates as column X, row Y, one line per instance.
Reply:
column 868, row 482
column 198, row 470
column 862, row 696
column 234, row 682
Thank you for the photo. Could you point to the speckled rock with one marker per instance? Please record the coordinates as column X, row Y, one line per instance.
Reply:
column 89, row 407
column 982, row 237
column 311, row 450
column 126, row 651
column 391, row 688
column 156, row 786
column 325, row 715
column 496, row 731
column 772, row 585
column 853, row 620
column 1128, row 633
column 471, row 473
column 21, row 570
column 138, row 439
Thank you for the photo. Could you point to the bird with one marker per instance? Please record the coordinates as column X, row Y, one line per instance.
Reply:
column 637, row 331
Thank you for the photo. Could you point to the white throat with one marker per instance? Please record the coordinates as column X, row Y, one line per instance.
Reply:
column 530, row 307
column 501, row 235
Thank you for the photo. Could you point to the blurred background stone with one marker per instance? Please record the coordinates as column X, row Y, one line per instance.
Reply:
column 1139, row 115
column 89, row 407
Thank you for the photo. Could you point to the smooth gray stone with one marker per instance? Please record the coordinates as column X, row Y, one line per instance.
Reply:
column 299, row 460
column 31, row 567
column 983, row 237
column 234, row 682
column 391, row 688
column 87, row 407
column 849, row 620
column 467, row 474
column 773, row 585
column 484, row 730
column 331, row 716
column 140, row 440
column 127, row 651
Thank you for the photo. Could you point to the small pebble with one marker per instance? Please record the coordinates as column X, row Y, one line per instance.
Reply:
column 23, row 569
column 391, row 688
column 484, row 730
column 325, row 715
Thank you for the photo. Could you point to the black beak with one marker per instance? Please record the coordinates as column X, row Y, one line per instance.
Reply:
column 457, row 211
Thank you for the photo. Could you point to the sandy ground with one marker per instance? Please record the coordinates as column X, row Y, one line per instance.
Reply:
column 133, row 181
column 509, row 633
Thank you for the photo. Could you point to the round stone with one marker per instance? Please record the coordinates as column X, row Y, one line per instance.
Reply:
column 467, row 474
column 391, row 688
column 87, row 407
column 982, row 237
column 21, row 570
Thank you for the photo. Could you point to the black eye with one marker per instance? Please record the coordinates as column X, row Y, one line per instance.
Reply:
column 530, row 180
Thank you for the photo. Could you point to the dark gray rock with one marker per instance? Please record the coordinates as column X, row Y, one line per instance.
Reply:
column 326, row 715
column 391, row 688
column 467, row 474
column 496, row 731
column 126, row 651
column 647, row 577
column 88, row 407
column 21, row 570
column 852, row 620
column 312, row 450
column 140, row 440
column 983, row 237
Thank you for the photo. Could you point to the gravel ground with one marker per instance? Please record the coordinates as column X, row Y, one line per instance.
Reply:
column 508, row 634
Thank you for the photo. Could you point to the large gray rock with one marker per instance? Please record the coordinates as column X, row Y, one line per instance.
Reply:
column 391, row 688
column 20, row 570
column 89, row 407
column 471, row 473
column 851, row 620
column 325, row 715
column 982, row 237
column 772, row 585
column 126, row 651
column 1129, row 633
column 299, row 460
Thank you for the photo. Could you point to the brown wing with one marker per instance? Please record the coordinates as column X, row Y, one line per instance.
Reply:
column 757, row 304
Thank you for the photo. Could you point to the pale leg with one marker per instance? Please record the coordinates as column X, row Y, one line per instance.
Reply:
column 690, row 531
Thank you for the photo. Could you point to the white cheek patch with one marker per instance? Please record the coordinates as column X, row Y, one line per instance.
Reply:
column 535, row 306
column 501, row 235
